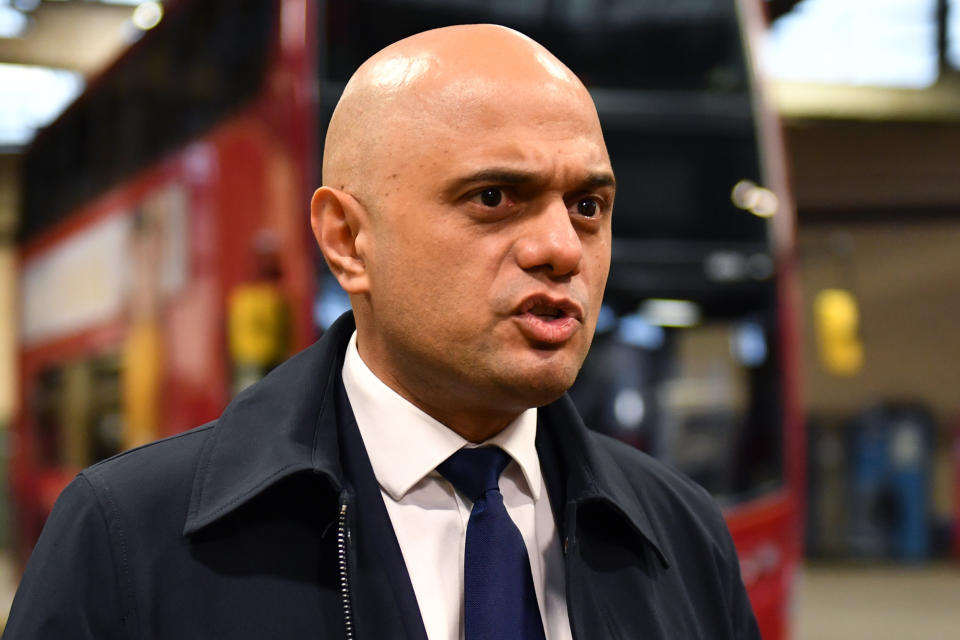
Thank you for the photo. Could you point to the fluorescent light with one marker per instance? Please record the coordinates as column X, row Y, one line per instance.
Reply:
column 635, row 329
column 757, row 200
column 670, row 313
column 629, row 409
column 748, row 345
column 32, row 97
column 26, row 5
column 953, row 34
column 147, row 15
column 856, row 42
column 13, row 24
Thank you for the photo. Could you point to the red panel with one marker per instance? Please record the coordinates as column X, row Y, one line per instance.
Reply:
column 768, row 543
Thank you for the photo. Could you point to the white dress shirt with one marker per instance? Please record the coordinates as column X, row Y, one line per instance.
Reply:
column 429, row 517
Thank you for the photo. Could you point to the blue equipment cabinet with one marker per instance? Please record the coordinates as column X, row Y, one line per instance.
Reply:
column 891, row 450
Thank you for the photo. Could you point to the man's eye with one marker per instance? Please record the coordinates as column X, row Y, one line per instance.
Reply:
column 491, row 197
column 587, row 207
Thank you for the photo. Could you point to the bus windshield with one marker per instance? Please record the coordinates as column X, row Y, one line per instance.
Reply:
column 702, row 395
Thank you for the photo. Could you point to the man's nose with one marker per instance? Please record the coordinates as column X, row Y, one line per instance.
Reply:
column 550, row 242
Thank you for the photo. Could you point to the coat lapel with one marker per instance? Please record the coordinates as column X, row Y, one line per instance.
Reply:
column 384, row 601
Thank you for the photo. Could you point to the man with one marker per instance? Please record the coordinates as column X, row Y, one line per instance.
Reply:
column 466, row 210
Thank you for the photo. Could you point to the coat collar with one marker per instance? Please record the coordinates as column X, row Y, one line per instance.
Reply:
column 287, row 424
column 284, row 424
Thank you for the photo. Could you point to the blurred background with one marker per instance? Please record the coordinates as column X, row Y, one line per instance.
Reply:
column 780, row 318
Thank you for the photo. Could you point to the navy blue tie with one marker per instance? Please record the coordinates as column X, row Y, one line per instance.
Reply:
column 499, row 602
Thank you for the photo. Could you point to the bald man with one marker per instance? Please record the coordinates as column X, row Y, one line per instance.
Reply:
column 418, row 472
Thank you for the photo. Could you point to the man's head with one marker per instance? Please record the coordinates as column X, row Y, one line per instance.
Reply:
column 466, row 210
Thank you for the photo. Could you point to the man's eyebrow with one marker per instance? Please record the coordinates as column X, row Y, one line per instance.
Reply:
column 517, row 177
column 496, row 176
column 599, row 180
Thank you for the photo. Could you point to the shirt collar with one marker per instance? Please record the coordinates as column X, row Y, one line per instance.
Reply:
column 405, row 444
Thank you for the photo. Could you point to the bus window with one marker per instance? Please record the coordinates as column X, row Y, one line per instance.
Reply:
column 46, row 409
column 105, row 419
column 78, row 413
column 207, row 61
column 704, row 398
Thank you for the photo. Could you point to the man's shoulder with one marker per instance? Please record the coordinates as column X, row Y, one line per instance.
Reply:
column 149, row 475
column 666, row 494
column 647, row 471
column 701, row 577
column 164, row 456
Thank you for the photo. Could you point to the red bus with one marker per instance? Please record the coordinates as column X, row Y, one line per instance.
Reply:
column 166, row 259
column 174, row 187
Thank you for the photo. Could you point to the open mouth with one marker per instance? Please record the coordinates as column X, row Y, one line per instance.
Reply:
column 547, row 320
column 547, row 308
column 547, row 312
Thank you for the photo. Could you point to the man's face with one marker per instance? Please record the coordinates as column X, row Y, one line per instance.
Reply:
column 488, row 248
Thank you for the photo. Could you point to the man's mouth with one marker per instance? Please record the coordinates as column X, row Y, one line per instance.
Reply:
column 548, row 320
column 549, row 307
column 547, row 312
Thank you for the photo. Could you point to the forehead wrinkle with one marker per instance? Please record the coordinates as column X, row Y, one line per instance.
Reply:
column 490, row 142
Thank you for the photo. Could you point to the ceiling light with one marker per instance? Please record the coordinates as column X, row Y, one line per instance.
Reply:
column 13, row 24
column 31, row 97
column 671, row 313
column 759, row 201
column 147, row 15
column 26, row 5
column 892, row 43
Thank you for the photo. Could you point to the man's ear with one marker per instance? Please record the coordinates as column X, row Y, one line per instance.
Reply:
column 337, row 220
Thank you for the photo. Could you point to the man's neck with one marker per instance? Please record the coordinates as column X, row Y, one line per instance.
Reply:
column 471, row 421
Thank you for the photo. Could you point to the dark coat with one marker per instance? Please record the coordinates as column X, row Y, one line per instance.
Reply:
column 267, row 524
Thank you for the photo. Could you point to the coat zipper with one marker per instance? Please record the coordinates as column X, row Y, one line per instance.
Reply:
column 342, row 541
column 569, row 522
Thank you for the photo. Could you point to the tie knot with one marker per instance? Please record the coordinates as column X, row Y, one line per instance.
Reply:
column 473, row 472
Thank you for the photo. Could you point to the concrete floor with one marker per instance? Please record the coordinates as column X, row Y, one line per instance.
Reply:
column 8, row 585
column 850, row 602
column 835, row 602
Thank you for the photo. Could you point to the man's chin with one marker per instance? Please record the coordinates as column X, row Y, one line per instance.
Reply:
column 539, row 388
